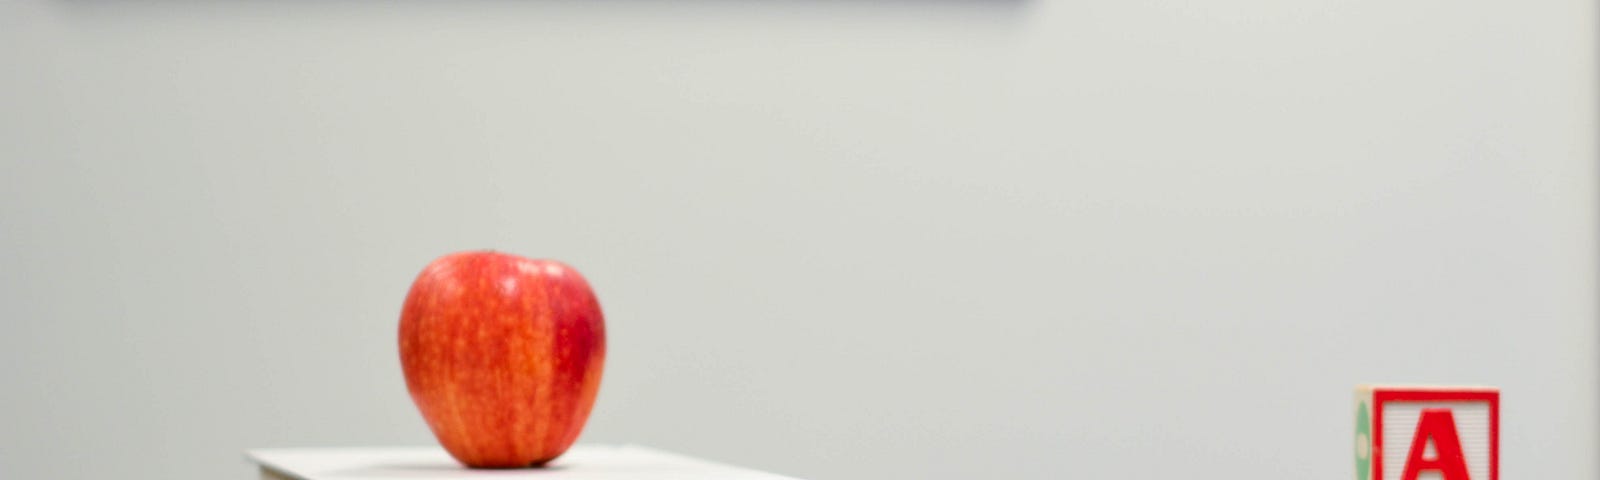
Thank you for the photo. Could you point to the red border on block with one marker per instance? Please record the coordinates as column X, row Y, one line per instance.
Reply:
column 1381, row 395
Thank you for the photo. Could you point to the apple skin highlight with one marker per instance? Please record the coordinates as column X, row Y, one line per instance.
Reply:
column 502, row 355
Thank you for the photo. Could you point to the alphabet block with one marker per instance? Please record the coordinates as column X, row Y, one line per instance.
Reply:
column 1427, row 433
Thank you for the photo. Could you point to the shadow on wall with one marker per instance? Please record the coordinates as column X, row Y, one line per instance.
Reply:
column 841, row 3
column 888, row 18
column 908, row 6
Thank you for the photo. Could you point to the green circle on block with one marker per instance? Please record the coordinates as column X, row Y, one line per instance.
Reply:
column 1363, row 443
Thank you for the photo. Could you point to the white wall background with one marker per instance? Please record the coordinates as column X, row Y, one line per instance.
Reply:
column 877, row 239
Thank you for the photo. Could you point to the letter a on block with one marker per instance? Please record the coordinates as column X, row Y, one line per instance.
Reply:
column 1438, row 426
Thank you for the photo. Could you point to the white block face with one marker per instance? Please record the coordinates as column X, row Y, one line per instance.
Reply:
column 1400, row 428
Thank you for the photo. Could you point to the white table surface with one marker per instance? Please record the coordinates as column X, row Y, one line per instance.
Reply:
column 582, row 462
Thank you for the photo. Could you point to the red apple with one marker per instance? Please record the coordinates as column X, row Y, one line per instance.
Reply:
column 502, row 354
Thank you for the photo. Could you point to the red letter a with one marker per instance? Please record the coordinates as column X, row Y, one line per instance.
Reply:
column 1439, row 425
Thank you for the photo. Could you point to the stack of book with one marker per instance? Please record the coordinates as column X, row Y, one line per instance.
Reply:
column 582, row 462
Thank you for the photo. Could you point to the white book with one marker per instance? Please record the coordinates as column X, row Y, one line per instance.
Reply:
column 582, row 462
